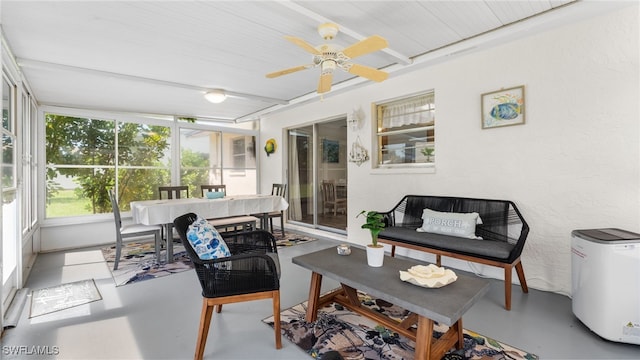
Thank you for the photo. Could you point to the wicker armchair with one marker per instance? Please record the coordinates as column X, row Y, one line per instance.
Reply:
column 250, row 273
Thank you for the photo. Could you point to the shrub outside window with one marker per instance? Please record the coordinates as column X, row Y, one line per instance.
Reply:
column 406, row 131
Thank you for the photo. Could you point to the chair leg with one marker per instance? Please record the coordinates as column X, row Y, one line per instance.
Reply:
column 507, row 287
column 523, row 281
column 118, row 252
column 203, row 331
column 282, row 223
column 158, row 245
column 271, row 224
column 276, row 318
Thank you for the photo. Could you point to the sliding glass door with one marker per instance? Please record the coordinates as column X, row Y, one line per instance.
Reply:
column 317, row 171
column 301, row 199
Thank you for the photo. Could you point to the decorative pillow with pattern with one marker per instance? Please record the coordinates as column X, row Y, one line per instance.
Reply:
column 206, row 240
column 448, row 223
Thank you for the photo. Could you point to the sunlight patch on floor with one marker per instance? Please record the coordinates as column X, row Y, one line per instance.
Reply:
column 99, row 337
column 83, row 257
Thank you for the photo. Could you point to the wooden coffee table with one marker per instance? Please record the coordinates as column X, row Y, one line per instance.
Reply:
column 445, row 305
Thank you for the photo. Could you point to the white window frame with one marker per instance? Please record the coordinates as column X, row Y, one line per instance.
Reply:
column 420, row 161
column 175, row 123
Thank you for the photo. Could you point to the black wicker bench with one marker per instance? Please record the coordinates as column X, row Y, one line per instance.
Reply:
column 500, row 236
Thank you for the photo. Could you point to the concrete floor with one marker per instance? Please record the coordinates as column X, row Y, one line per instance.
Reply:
column 158, row 319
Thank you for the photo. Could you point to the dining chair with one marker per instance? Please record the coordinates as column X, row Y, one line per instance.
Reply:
column 131, row 231
column 209, row 188
column 173, row 192
column 252, row 272
column 279, row 190
column 330, row 197
column 235, row 223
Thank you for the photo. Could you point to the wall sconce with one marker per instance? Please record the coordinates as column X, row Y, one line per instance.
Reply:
column 354, row 119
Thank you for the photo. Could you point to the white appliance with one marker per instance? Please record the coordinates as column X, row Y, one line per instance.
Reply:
column 605, row 284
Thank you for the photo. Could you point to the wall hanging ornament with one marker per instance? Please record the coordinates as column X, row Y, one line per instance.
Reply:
column 354, row 119
column 358, row 153
column 270, row 147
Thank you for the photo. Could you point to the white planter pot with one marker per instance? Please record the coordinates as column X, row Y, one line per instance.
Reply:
column 375, row 255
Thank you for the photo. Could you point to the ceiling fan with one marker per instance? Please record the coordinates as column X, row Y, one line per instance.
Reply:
column 328, row 57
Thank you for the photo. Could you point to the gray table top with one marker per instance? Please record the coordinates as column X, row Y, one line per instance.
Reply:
column 445, row 305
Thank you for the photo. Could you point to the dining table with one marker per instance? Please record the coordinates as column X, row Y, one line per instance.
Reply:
column 163, row 212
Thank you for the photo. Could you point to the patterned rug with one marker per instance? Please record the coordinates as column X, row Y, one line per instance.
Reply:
column 357, row 337
column 64, row 296
column 138, row 262
column 291, row 239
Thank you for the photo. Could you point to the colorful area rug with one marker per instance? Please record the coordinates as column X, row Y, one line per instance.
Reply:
column 357, row 337
column 61, row 297
column 291, row 239
column 138, row 262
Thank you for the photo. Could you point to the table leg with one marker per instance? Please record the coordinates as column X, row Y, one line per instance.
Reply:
column 459, row 329
column 264, row 221
column 352, row 295
column 423, row 338
column 314, row 297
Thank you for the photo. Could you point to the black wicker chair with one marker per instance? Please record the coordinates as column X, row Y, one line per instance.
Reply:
column 250, row 273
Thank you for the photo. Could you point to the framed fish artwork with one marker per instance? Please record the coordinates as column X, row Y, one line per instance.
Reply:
column 503, row 107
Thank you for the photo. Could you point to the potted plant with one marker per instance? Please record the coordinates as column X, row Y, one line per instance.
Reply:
column 428, row 152
column 374, row 223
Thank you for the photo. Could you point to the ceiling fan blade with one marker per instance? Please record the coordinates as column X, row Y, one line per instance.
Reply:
column 368, row 45
column 303, row 44
column 324, row 84
column 368, row 72
column 288, row 71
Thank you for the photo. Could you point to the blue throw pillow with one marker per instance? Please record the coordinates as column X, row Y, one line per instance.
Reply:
column 206, row 240
column 214, row 194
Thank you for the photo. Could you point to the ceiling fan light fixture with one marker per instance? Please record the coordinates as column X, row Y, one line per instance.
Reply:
column 215, row 96
column 329, row 57
column 328, row 66
column 328, row 30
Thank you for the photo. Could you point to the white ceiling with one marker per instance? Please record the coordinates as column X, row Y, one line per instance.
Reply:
column 160, row 57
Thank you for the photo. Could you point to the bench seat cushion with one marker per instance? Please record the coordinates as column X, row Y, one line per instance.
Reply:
column 487, row 248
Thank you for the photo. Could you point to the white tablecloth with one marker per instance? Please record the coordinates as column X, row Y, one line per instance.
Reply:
column 155, row 212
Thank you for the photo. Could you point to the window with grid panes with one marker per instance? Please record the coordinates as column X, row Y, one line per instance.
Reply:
column 406, row 131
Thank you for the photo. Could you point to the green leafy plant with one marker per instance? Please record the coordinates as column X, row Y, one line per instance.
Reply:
column 374, row 222
column 428, row 152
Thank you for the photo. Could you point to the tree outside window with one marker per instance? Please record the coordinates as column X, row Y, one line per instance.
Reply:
column 86, row 156
column 83, row 160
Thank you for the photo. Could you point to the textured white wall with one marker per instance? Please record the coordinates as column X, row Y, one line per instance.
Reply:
column 575, row 164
